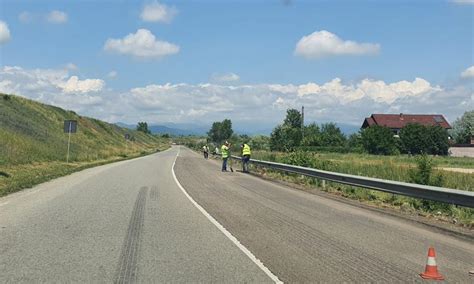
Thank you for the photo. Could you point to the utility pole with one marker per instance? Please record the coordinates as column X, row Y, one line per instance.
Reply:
column 302, row 122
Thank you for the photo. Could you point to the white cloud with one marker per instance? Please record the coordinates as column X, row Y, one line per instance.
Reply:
column 256, row 106
column 57, row 17
column 74, row 85
column 324, row 44
column 142, row 44
column 25, row 17
column 468, row 73
column 53, row 86
column 156, row 12
column 331, row 101
column 378, row 91
column 112, row 74
column 4, row 33
column 225, row 78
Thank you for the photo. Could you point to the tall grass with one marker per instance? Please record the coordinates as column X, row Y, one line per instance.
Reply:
column 31, row 133
column 405, row 169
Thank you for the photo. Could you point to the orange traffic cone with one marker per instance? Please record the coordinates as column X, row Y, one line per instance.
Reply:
column 431, row 270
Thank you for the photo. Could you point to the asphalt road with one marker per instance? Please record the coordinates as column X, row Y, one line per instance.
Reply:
column 125, row 222
column 133, row 222
column 308, row 238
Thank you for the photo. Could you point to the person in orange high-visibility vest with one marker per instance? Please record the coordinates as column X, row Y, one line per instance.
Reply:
column 245, row 157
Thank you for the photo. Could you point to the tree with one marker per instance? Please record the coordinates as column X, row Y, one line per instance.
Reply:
column 378, row 140
column 143, row 127
column 293, row 118
column 220, row 131
column 355, row 141
column 312, row 135
column 415, row 139
column 276, row 139
column 284, row 138
column 463, row 128
column 260, row 142
column 439, row 144
column 420, row 139
column 331, row 135
column 287, row 136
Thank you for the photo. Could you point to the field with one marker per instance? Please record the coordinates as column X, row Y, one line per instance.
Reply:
column 385, row 167
column 33, row 146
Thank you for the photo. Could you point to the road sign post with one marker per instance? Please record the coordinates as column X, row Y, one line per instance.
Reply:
column 70, row 126
column 127, row 137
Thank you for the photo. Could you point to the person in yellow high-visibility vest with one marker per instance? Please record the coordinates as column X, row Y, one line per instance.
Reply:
column 245, row 157
column 225, row 155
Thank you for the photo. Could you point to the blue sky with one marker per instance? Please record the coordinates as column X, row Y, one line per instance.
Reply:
column 243, row 48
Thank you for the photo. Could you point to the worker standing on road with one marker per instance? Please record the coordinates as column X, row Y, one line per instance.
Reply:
column 205, row 150
column 245, row 157
column 225, row 155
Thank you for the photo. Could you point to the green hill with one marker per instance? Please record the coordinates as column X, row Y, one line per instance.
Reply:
column 33, row 145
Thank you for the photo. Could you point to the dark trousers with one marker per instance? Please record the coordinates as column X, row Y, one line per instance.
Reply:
column 206, row 154
column 245, row 163
column 224, row 164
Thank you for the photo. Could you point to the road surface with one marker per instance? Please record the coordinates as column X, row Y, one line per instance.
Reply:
column 124, row 222
column 133, row 222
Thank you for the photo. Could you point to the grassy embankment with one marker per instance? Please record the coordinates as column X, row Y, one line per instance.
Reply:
column 33, row 146
column 397, row 168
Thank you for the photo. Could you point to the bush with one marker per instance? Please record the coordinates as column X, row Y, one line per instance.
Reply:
column 463, row 128
column 439, row 140
column 379, row 140
column 418, row 139
column 423, row 172
column 331, row 135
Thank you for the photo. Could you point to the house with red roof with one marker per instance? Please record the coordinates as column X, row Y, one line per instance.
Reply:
column 397, row 121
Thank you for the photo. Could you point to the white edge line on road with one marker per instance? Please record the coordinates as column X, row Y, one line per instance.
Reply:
column 224, row 230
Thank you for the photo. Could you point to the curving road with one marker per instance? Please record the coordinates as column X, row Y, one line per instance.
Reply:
column 142, row 221
column 124, row 222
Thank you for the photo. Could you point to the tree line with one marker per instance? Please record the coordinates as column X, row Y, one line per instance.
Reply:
column 292, row 135
column 412, row 139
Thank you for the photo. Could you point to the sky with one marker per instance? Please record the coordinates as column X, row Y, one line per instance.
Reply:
column 249, row 61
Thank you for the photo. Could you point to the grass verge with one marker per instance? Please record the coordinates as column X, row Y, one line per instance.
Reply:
column 14, row 178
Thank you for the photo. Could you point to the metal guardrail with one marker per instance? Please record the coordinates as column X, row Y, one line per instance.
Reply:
column 447, row 195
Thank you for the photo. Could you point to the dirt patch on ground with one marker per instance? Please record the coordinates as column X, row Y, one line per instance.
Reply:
column 459, row 170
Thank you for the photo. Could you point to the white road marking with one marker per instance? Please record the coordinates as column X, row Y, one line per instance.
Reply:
column 224, row 230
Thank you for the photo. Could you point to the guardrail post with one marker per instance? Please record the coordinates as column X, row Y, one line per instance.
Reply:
column 324, row 184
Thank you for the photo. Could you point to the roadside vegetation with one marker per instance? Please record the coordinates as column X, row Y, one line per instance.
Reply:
column 418, row 156
column 33, row 145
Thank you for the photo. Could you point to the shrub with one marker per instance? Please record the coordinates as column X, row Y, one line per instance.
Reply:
column 423, row 172
column 463, row 128
column 379, row 140
column 418, row 139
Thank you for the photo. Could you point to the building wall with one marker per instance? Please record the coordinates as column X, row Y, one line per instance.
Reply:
column 461, row 152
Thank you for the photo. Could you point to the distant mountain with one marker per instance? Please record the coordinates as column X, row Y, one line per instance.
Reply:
column 348, row 129
column 124, row 125
column 171, row 128
column 196, row 129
